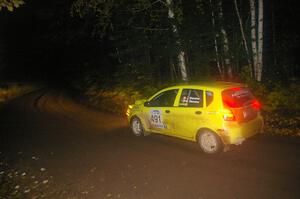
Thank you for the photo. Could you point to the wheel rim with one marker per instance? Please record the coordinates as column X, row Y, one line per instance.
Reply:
column 137, row 127
column 208, row 142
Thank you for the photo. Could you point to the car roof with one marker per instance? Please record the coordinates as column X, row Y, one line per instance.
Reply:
column 220, row 85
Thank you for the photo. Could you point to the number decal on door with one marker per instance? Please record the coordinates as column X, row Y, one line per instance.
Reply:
column 156, row 119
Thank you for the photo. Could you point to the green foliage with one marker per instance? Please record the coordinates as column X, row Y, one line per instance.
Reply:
column 245, row 74
column 116, row 100
column 284, row 98
column 14, row 90
column 10, row 4
column 115, row 96
column 142, row 34
column 275, row 96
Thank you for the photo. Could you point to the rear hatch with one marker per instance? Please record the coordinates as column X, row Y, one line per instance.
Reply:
column 241, row 102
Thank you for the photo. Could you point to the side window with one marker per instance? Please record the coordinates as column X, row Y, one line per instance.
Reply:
column 209, row 97
column 191, row 98
column 164, row 99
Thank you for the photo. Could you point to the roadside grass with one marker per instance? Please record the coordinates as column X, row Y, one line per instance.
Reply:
column 116, row 100
column 11, row 91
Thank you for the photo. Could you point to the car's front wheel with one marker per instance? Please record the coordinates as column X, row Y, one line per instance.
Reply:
column 137, row 126
column 209, row 142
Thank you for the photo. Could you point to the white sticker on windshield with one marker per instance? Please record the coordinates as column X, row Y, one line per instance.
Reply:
column 156, row 119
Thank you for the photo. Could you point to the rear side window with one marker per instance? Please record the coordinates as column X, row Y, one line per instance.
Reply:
column 191, row 98
column 209, row 97
column 237, row 97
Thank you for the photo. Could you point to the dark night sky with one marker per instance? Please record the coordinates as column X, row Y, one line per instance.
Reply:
column 42, row 40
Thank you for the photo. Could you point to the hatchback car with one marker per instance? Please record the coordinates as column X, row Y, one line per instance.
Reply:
column 214, row 115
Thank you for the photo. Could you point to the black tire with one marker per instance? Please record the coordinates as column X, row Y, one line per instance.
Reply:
column 210, row 142
column 137, row 126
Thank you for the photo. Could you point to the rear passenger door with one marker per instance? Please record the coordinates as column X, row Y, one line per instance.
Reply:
column 188, row 117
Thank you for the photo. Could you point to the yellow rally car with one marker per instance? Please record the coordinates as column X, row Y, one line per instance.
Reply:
column 213, row 114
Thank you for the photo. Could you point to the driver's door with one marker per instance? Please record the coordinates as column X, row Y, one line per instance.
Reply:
column 159, row 112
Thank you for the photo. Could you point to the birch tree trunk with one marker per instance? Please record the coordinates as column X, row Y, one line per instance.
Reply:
column 260, row 40
column 243, row 36
column 181, row 54
column 216, row 42
column 227, row 61
column 253, row 38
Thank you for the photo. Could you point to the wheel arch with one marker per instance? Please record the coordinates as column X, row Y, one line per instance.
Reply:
column 205, row 129
column 221, row 142
column 132, row 117
column 141, row 119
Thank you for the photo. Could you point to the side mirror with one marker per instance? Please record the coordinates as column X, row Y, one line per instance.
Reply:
column 146, row 103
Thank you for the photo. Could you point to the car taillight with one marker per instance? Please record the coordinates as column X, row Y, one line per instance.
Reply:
column 228, row 115
column 236, row 89
column 230, row 103
column 255, row 104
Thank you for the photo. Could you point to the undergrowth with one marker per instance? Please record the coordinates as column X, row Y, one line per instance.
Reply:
column 8, row 92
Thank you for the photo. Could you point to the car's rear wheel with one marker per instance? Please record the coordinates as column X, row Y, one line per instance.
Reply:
column 210, row 142
column 137, row 126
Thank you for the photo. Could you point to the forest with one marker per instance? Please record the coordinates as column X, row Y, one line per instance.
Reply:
column 114, row 52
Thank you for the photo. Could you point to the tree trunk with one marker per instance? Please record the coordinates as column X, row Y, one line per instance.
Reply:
column 274, row 43
column 260, row 39
column 253, row 37
column 117, row 49
column 181, row 54
column 172, row 70
column 216, row 42
column 243, row 36
column 227, row 61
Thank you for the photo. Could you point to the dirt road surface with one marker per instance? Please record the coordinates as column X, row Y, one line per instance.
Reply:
column 93, row 154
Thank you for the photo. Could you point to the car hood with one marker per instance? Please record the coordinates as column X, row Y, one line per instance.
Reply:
column 140, row 102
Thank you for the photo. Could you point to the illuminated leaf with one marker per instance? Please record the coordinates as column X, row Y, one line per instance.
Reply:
column 10, row 4
column 10, row 8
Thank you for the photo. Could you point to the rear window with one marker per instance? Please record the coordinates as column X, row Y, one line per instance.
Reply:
column 237, row 97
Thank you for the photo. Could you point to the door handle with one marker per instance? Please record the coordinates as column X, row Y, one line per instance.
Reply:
column 167, row 111
column 198, row 112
